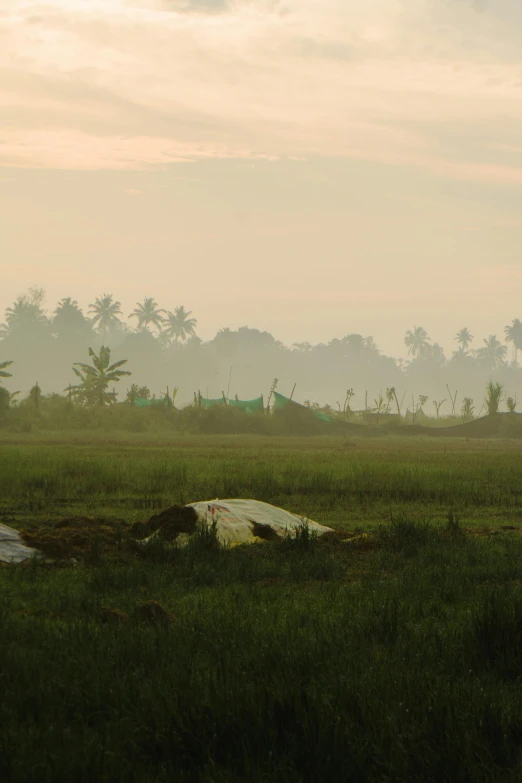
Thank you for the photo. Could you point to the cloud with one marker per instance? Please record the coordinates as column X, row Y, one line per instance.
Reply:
column 197, row 6
column 143, row 83
column 132, row 192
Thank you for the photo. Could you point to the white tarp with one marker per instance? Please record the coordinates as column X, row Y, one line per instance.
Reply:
column 12, row 548
column 234, row 518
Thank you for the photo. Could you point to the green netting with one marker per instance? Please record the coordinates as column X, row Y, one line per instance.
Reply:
column 141, row 402
column 282, row 402
column 249, row 406
column 205, row 403
column 322, row 416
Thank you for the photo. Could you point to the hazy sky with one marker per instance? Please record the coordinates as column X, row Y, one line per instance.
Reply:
column 311, row 167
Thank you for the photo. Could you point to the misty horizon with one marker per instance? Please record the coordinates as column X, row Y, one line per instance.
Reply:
column 162, row 349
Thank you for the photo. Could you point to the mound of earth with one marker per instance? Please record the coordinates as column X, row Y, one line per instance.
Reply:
column 236, row 521
column 168, row 524
column 500, row 425
column 496, row 425
column 76, row 537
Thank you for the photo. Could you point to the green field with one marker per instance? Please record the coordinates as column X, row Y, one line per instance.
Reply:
column 391, row 657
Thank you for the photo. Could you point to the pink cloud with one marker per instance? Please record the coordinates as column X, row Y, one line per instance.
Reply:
column 133, row 85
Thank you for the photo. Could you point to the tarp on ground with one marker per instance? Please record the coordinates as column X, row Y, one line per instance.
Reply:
column 12, row 548
column 237, row 522
column 241, row 521
column 249, row 406
column 141, row 402
column 281, row 401
column 206, row 403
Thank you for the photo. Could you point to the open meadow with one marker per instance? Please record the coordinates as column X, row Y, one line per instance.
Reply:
column 391, row 651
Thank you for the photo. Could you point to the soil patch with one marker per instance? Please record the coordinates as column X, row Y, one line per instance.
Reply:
column 169, row 523
column 265, row 532
column 80, row 538
column 154, row 613
column 496, row 425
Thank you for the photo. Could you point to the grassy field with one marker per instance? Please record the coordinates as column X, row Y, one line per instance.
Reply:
column 336, row 481
column 388, row 657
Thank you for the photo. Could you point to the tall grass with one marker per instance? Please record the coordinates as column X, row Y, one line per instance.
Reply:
column 311, row 663
column 396, row 658
column 327, row 480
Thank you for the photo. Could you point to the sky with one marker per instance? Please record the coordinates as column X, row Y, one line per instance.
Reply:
column 310, row 167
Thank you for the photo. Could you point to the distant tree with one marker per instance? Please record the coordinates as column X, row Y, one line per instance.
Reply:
column 493, row 398
column 105, row 312
column 26, row 313
column 370, row 346
column 148, row 314
column 434, row 353
column 511, row 404
column 35, row 395
column 69, row 321
column 514, row 335
column 3, row 373
column 258, row 339
column 493, row 354
column 178, row 325
column 356, row 345
column 135, row 392
column 95, row 378
column 467, row 408
column 417, row 341
column 464, row 339
column 5, row 399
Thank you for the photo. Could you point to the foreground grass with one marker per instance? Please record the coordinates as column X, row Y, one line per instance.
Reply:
column 399, row 658
column 393, row 657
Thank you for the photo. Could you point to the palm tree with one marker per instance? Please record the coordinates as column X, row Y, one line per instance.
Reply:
column 493, row 398
column 464, row 339
column 25, row 312
column 514, row 335
column 69, row 321
column 3, row 373
column 178, row 326
column 493, row 354
column 417, row 341
column 148, row 313
column 95, row 378
column 105, row 312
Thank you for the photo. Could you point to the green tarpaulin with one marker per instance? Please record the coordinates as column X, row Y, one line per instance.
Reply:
column 205, row 403
column 141, row 402
column 249, row 406
column 282, row 402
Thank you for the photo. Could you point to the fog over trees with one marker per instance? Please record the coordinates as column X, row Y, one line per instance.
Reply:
column 163, row 350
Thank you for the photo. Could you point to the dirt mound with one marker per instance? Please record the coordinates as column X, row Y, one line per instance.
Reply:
column 169, row 523
column 76, row 537
column 497, row 425
column 154, row 613
column 110, row 616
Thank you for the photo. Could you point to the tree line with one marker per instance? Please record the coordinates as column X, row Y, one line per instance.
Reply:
column 162, row 348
